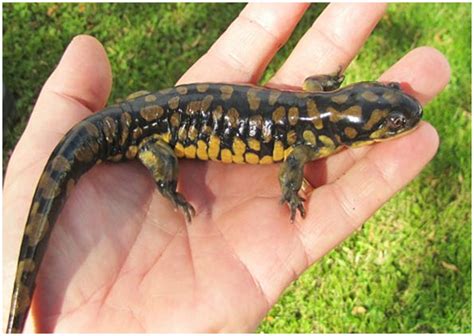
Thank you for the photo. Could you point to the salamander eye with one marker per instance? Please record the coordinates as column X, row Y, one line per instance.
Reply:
column 396, row 121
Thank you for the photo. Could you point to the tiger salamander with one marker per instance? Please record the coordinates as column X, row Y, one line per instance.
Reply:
column 210, row 121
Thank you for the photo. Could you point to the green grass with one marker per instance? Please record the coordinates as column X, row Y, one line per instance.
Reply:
column 409, row 268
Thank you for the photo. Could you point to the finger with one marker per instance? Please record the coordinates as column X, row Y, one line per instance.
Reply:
column 356, row 195
column 332, row 42
column 80, row 84
column 426, row 70
column 244, row 50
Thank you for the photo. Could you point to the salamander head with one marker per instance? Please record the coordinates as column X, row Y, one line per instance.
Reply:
column 384, row 112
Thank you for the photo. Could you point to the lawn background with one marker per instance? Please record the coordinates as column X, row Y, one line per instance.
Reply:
column 409, row 268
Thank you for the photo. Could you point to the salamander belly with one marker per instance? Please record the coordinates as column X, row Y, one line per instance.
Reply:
column 236, row 150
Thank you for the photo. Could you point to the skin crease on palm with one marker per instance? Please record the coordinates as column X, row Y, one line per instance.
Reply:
column 120, row 258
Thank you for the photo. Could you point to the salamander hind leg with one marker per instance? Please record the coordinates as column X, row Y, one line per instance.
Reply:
column 328, row 82
column 291, row 179
column 159, row 158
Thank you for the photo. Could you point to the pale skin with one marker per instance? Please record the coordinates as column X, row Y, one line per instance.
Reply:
column 120, row 258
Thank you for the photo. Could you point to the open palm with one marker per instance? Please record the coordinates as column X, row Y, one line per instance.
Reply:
column 120, row 259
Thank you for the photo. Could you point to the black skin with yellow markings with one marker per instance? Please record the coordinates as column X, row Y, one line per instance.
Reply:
column 221, row 122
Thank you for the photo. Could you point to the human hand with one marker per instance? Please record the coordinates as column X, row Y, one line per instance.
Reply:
column 121, row 260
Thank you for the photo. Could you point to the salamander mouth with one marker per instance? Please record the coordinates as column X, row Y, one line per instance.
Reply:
column 398, row 134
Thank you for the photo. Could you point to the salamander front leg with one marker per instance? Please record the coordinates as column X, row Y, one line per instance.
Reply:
column 319, row 83
column 291, row 179
column 159, row 158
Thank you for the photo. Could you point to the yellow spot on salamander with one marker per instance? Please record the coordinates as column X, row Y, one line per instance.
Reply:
column 291, row 137
column 35, row 207
column 278, row 115
column 137, row 94
column 238, row 146
column 217, row 114
column 131, row 152
column 206, row 130
column 253, row 99
column 361, row 143
column 226, row 155
column 86, row 152
column 92, row 130
column 254, row 144
column 314, row 114
column 251, row 158
column 192, row 132
column 173, row 103
column 69, row 186
column 36, row 228
column 226, row 91
column 206, row 103
column 293, row 115
column 166, row 137
column 202, row 150
column 340, row 98
column 182, row 90
column 182, row 133
column 327, row 141
column 26, row 265
column 136, row 133
column 278, row 152
column 375, row 117
column 309, row 137
column 273, row 97
column 193, row 107
column 179, row 149
column 151, row 113
column 214, row 147
column 354, row 111
column 202, row 87
column 267, row 159
column 301, row 94
column 175, row 119
column 109, row 129
column 237, row 158
column 190, row 152
column 148, row 158
column 350, row 132
column 125, row 122
column 49, row 186
column 23, row 301
column 60, row 164
column 370, row 96
column 390, row 97
column 150, row 98
column 232, row 117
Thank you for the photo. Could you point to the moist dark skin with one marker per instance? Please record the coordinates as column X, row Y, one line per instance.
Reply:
column 210, row 121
